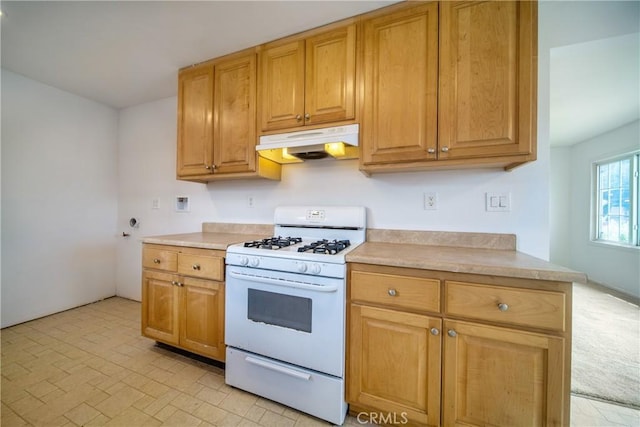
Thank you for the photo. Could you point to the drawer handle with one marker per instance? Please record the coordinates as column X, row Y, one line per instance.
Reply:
column 503, row 307
column 196, row 266
column 156, row 261
column 435, row 331
column 174, row 283
column 452, row 333
column 392, row 292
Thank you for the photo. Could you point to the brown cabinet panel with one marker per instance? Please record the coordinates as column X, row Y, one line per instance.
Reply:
column 159, row 258
column 330, row 76
column 395, row 363
column 282, row 86
column 203, row 266
column 501, row 377
column 526, row 307
column 234, row 113
column 399, row 122
column 202, row 325
column 195, row 115
column 397, row 291
column 510, row 373
column 183, row 309
column 487, row 78
column 308, row 81
column 160, row 316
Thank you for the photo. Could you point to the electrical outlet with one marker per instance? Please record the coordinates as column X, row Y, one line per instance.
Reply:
column 155, row 203
column 430, row 201
column 250, row 201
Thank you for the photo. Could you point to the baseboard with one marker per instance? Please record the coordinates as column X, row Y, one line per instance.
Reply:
column 616, row 293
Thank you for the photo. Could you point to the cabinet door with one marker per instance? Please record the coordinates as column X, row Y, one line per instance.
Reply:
column 282, row 86
column 400, row 86
column 330, row 76
column 501, row 377
column 394, row 363
column 488, row 61
column 234, row 115
column 195, row 110
column 160, row 306
column 202, row 323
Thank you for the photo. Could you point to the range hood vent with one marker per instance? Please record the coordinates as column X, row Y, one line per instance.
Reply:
column 339, row 142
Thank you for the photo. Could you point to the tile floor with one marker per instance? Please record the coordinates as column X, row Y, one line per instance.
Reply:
column 90, row 367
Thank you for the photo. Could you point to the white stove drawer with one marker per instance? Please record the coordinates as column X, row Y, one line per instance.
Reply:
column 308, row 391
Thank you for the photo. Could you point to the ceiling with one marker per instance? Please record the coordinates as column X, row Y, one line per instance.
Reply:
column 125, row 53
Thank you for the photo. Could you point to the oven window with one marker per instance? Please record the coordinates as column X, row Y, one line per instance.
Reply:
column 281, row 310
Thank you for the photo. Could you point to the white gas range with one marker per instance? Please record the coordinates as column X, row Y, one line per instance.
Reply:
column 285, row 309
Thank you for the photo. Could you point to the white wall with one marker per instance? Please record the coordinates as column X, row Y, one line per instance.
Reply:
column 147, row 170
column 147, row 158
column 59, row 198
column 560, row 206
column 147, row 165
column 612, row 266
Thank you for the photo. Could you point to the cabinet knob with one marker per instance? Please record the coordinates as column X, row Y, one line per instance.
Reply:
column 435, row 331
column 156, row 261
column 503, row 307
column 452, row 333
column 392, row 292
column 307, row 116
column 444, row 149
column 174, row 283
column 196, row 267
column 431, row 150
column 298, row 118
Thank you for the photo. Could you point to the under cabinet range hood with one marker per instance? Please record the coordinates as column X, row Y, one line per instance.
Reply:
column 340, row 142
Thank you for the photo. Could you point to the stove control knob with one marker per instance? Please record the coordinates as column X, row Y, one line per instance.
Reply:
column 315, row 268
column 243, row 260
column 254, row 262
column 302, row 267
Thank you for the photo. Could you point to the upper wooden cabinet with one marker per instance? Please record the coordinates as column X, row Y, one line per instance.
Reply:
column 487, row 103
column 308, row 81
column 195, row 116
column 216, row 121
column 399, row 122
column 449, row 84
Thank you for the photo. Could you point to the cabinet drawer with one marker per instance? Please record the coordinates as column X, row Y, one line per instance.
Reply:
column 398, row 291
column 527, row 307
column 159, row 259
column 204, row 266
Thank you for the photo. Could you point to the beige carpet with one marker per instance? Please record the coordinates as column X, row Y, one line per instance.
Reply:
column 606, row 347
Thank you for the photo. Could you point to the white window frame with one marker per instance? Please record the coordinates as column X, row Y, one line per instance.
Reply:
column 634, row 195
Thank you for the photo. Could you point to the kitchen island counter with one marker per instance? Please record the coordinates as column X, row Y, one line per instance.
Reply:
column 467, row 258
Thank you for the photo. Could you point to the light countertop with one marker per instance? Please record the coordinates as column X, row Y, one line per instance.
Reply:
column 474, row 253
column 508, row 263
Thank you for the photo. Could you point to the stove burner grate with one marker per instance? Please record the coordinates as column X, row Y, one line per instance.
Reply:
column 273, row 242
column 326, row 247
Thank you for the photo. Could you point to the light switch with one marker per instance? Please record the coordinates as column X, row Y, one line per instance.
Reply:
column 498, row 202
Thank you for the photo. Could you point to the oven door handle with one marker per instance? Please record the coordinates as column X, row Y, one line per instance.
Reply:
column 282, row 282
column 277, row 368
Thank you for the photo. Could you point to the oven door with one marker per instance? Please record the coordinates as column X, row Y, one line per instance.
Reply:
column 294, row 318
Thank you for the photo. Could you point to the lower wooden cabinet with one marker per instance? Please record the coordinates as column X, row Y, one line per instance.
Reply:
column 501, row 377
column 182, row 311
column 444, row 365
column 395, row 363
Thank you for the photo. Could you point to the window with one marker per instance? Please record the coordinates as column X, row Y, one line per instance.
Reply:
column 616, row 200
